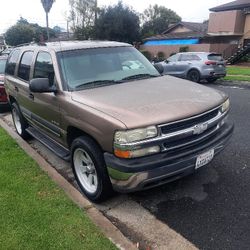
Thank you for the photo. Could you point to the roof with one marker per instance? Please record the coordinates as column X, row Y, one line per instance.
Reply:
column 196, row 27
column 197, row 30
column 235, row 5
column 75, row 45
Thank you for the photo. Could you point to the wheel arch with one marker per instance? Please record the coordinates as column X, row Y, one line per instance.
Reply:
column 74, row 132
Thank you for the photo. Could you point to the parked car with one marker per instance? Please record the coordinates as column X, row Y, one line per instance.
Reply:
column 3, row 95
column 195, row 66
column 122, row 128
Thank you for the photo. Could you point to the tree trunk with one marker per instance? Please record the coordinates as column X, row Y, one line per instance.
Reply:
column 47, row 24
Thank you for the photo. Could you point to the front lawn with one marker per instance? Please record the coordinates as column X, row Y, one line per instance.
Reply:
column 34, row 212
column 237, row 73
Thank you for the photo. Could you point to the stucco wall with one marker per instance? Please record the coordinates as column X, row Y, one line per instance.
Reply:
column 247, row 27
column 168, row 50
column 228, row 22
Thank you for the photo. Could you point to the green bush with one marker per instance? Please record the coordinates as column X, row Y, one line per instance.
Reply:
column 161, row 56
column 147, row 54
column 184, row 49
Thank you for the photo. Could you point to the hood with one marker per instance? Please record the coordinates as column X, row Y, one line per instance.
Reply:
column 152, row 101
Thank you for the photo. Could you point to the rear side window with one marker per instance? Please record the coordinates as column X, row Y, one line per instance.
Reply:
column 12, row 62
column 24, row 67
column 189, row 57
column 44, row 67
column 215, row 57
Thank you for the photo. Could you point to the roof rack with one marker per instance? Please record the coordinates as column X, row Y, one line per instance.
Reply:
column 31, row 44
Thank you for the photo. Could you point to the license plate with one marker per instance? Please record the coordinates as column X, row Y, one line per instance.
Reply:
column 204, row 159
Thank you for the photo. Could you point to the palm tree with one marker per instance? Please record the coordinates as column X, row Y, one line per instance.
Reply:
column 47, row 4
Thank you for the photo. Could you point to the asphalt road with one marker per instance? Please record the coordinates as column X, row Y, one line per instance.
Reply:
column 212, row 207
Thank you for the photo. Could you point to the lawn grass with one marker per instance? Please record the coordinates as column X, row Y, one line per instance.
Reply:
column 34, row 212
column 237, row 78
column 236, row 70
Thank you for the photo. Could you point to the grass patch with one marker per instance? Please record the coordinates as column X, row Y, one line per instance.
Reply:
column 34, row 212
column 237, row 78
column 242, row 71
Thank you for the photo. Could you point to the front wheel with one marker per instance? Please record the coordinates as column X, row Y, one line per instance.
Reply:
column 194, row 75
column 19, row 121
column 90, row 170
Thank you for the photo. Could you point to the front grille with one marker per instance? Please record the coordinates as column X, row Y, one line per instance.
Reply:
column 183, row 124
column 182, row 135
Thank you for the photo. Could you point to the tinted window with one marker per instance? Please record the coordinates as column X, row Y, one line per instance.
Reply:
column 44, row 67
column 24, row 67
column 173, row 58
column 189, row 57
column 2, row 65
column 11, row 64
column 215, row 57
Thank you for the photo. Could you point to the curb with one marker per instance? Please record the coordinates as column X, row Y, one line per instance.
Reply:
column 240, row 84
column 107, row 228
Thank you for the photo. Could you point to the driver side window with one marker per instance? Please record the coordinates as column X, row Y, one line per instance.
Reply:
column 173, row 58
column 44, row 67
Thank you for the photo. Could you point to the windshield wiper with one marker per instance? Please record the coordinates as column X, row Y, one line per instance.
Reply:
column 97, row 83
column 139, row 76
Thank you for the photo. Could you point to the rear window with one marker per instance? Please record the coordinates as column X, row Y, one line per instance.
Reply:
column 215, row 57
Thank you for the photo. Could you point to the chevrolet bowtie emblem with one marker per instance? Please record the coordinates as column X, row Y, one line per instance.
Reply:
column 200, row 128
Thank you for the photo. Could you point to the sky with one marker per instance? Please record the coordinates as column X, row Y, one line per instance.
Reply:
column 32, row 10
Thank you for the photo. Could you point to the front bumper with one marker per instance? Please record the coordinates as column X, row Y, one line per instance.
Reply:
column 129, row 175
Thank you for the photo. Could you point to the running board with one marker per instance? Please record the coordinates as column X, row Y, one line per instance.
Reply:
column 50, row 144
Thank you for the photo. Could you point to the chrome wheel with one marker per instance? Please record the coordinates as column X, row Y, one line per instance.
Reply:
column 17, row 121
column 85, row 170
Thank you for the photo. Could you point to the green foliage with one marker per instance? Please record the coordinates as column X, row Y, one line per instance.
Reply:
column 25, row 32
column 184, row 49
column 82, row 17
column 147, row 54
column 156, row 19
column 118, row 23
column 236, row 70
column 161, row 55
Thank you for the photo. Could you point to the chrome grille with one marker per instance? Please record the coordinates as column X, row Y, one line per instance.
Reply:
column 191, row 132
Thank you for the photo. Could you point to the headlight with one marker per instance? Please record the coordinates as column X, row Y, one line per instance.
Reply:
column 135, row 135
column 122, row 140
column 225, row 106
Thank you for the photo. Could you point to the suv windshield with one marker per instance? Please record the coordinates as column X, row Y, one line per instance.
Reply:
column 101, row 66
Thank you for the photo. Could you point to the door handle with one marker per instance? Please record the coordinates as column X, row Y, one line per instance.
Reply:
column 31, row 96
column 16, row 88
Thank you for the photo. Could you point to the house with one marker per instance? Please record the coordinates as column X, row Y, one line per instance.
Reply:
column 227, row 32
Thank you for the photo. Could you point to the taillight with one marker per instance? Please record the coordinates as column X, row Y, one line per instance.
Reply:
column 210, row 63
column 3, row 96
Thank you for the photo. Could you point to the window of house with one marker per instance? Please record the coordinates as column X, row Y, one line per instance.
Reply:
column 44, row 67
column 24, row 67
column 11, row 64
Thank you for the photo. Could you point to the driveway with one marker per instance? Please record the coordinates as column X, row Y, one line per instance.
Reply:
column 209, row 210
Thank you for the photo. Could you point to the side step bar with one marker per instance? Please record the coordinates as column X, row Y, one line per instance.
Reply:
column 50, row 144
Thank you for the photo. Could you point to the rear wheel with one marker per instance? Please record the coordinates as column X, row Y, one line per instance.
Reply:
column 194, row 75
column 90, row 170
column 19, row 121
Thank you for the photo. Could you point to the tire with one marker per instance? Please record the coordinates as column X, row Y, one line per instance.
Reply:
column 194, row 75
column 90, row 170
column 19, row 121
column 211, row 80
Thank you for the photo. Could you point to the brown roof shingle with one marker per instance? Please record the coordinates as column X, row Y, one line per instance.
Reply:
column 235, row 5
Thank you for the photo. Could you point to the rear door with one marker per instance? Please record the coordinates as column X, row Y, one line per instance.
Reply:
column 186, row 61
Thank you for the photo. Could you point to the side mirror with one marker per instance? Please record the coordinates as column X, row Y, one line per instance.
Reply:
column 41, row 85
column 159, row 68
column 166, row 61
